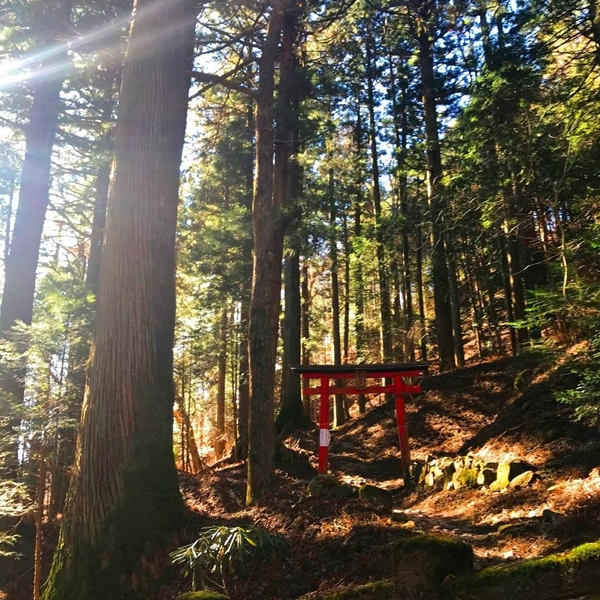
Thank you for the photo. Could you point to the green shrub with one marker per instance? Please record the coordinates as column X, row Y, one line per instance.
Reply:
column 223, row 551
column 585, row 398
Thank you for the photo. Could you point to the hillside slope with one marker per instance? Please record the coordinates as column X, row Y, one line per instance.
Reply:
column 497, row 411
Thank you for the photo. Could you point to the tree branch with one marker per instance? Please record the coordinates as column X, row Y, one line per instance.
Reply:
column 223, row 80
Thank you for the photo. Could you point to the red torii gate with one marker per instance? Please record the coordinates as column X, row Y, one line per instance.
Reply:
column 360, row 373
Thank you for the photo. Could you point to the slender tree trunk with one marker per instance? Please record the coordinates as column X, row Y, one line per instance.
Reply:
column 347, row 252
column 339, row 413
column 125, row 503
column 420, row 293
column 439, row 268
column 221, row 379
column 459, row 352
column 401, row 142
column 185, row 424
column 384, row 289
column 244, row 383
column 241, row 447
column 359, row 291
column 305, row 331
column 291, row 412
column 266, row 279
column 9, row 214
column 508, row 301
column 40, row 499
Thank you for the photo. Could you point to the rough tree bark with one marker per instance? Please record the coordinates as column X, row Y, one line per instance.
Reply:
column 266, row 277
column 439, row 267
column 124, row 503
column 291, row 413
column 66, row 436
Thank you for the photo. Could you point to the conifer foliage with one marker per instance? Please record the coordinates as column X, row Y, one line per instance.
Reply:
column 360, row 182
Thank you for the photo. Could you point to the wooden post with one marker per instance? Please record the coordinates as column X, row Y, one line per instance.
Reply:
column 402, row 430
column 324, row 435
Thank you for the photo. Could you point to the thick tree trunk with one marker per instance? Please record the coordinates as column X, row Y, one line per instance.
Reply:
column 65, row 451
column 439, row 268
column 21, row 264
column 106, row 152
column 22, row 260
column 266, row 279
column 291, row 413
column 125, row 503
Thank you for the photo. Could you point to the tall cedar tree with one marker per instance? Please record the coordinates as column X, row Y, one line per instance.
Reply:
column 22, row 259
column 124, row 502
column 266, row 278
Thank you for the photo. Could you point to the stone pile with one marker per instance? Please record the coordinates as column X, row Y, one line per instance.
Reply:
column 456, row 472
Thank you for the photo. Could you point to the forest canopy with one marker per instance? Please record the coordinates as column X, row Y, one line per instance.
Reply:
column 196, row 195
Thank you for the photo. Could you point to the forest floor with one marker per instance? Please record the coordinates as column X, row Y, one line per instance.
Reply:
column 498, row 410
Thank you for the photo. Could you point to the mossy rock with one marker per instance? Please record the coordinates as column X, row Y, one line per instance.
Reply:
column 507, row 471
column 497, row 486
column 378, row 590
column 328, row 486
column 522, row 480
column 434, row 479
column 204, row 595
column 422, row 562
column 467, row 478
column 376, row 496
column 555, row 577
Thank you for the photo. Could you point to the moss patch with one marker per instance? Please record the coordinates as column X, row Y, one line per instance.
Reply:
column 468, row 478
column 551, row 578
column 422, row 562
